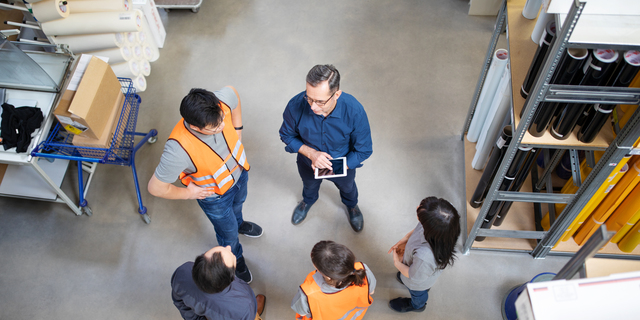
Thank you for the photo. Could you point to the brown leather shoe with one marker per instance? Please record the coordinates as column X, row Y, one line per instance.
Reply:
column 262, row 300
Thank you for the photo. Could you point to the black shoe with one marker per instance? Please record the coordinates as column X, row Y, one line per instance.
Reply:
column 403, row 305
column 300, row 212
column 250, row 229
column 398, row 277
column 355, row 218
column 242, row 271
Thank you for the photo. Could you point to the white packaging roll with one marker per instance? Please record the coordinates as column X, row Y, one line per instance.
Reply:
column 145, row 67
column 541, row 25
column 132, row 39
column 90, row 42
column 121, row 40
column 115, row 55
column 129, row 69
column 140, row 83
column 493, row 124
column 137, row 52
column 95, row 22
column 142, row 36
column 496, row 69
column 50, row 10
column 150, row 52
column 83, row 6
column 531, row 9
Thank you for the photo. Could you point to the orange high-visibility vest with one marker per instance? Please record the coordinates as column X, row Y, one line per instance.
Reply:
column 349, row 304
column 211, row 169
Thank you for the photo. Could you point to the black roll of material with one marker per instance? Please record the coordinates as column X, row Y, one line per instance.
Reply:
column 597, row 71
column 594, row 122
column 538, row 58
column 517, row 184
column 518, row 160
column 626, row 70
column 570, row 65
column 497, row 153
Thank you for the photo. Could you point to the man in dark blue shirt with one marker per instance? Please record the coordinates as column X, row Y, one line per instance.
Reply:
column 324, row 123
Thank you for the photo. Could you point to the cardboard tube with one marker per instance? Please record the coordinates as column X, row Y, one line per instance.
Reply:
column 95, row 22
column 50, row 10
column 91, row 42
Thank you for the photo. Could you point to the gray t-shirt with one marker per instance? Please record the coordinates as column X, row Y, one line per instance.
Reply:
column 175, row 160
column 300, row 304
column 423, row 270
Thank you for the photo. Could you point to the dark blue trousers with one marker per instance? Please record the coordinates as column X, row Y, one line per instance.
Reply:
column 346, row 185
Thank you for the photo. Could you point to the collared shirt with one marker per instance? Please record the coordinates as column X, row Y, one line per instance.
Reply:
column 423, row 269
column 344, row 132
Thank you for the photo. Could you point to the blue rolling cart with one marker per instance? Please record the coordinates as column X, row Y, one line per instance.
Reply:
column 121, row 151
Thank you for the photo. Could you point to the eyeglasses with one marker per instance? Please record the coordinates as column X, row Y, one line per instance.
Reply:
column 319, row 103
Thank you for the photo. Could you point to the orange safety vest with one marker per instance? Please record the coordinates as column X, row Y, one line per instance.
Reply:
column 349, row 304
column 211, row 169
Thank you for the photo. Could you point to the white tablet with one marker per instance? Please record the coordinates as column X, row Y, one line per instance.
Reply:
column 338, row 169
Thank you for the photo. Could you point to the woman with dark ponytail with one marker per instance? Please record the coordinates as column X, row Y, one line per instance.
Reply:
column 425, row 251
column 340, row 288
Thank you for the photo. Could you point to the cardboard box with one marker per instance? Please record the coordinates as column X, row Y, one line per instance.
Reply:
column 104, row 142
column 89, row 98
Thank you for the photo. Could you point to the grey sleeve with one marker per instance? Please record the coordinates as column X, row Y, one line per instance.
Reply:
column 228, row 96
column 173, row 161
column 420, row 270
column 371, row 278
column 299, row 304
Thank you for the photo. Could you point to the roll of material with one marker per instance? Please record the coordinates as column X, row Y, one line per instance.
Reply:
column 543, row 19
column 145, row 67
column 597, row 71
column 490, row 170
column 95, row 22
column 150, row 52
column 625, row 216
column 132, row 38
column 570, row 64
column 627, row 69
column 140, row 83
column 531, row 8
column 493, row 123
column 137, row 52
column 91, row 42
column 516, row 186
column 494, row 74
column 141, row 36
column 129, row 69
column 84, row 6
column 115, row 55
column 546, row 40
column 631, row 240
column 50, row 10
column 595, row 120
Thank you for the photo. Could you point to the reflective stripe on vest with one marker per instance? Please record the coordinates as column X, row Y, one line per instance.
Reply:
column 350, row 303
column 211, row 170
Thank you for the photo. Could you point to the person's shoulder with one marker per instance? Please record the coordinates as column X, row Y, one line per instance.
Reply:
column 352, row 102
column 295, row 100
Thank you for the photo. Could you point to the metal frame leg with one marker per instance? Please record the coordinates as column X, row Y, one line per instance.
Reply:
column 55, row 187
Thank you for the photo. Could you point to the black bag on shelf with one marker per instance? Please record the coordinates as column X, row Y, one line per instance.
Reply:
column 17, row 126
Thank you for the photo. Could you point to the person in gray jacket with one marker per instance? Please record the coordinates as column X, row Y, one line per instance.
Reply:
column 423, row 253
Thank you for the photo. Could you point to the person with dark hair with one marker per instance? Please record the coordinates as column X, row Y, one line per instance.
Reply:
column 425, row 251
column 207, row 289
column 340, row 288
column 320, row 124
column 206, row 153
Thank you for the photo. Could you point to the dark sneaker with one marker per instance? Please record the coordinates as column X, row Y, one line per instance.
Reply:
column 355, row 218
column 300, row 212
column 403, row 305
column 250, row 229
column 242, row 271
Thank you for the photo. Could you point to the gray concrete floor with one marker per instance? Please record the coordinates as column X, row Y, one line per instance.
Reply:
column 412, row 64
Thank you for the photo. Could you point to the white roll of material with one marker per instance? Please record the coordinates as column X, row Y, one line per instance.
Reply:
column 531, row 9
column 121, row 40
column 150, row 52
column 132, row 39
column 496, row 69
column 140, row 83
column 129, row 69
column 145, row 67
column 541, row 25
column 83, row 6
column 50, row 10
column 142, row 36
column 91, row 42
column 493, row 124
column 137, row 52
column 115, row 55
column 94, row 22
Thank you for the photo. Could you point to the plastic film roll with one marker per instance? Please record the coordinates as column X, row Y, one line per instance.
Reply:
column 140, row 83
column 142, row 36
column 546, row 40
column 95, row 22
column 494, row 74
column 150, row 52
column 115, row 55
column 129, row 69
column 83, row 6
column 495, row 117
column 516, row 186
column 145, row 68
column 137, row 52
column 531, row 8
column 595, row 120
column 499, row 148
column 91, row 42
column 543, row 19
column 132, row 39
column 626, row 70
column 50, row 10
column 631, row 240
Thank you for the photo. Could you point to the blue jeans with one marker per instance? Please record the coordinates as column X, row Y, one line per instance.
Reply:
column 225, row 213
column 311, row 185
column 419, row 298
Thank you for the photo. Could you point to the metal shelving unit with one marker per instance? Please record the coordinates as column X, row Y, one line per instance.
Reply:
column 540, row 243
